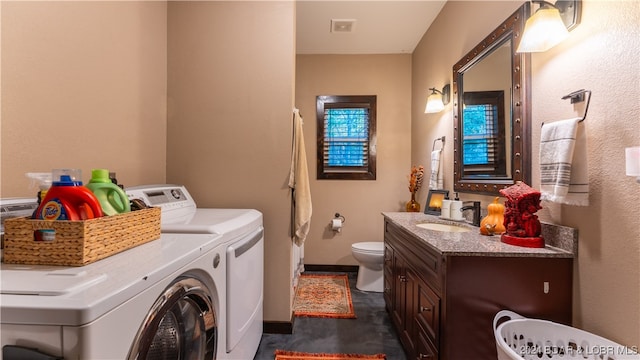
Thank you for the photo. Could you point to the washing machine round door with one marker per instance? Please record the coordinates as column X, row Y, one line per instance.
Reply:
column 180, row 325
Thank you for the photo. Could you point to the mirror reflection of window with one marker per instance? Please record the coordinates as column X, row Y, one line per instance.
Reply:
column 484, row 134
column 480, row 134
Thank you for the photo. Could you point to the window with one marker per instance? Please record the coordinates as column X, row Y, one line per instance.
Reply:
column 483, row 131
column 346, row 137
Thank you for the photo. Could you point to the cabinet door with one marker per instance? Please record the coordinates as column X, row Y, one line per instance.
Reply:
column 388, row 278
column 411, row 308
column 403, row 304
column 398, row 293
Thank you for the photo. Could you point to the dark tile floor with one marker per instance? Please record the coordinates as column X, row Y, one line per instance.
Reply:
column 370, row 333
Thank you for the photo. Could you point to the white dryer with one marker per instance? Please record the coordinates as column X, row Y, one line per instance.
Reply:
column 242, row 230
column 162, row 299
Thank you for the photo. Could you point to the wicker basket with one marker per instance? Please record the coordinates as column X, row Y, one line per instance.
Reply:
column 77, row 243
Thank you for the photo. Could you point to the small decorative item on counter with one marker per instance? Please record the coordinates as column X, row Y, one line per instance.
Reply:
column 67, row 199
column 113, row 200
column 493, row 223
column 455, row 208
column 445, row 211
column 413, row 205
column 522, row 225
column 415, row 183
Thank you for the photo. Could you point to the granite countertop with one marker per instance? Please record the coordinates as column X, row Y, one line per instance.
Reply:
column 560, row 241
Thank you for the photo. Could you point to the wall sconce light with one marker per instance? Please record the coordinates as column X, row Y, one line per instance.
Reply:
column 633, row 162
column 549, row 25
column 437, row 99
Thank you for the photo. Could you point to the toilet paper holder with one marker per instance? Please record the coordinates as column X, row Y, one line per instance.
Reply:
column 337, row 222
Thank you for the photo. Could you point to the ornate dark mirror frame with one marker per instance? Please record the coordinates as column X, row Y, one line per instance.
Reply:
column 520, row 115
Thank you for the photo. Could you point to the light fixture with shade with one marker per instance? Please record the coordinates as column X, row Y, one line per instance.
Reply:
column 549, row 25
column 437, row 99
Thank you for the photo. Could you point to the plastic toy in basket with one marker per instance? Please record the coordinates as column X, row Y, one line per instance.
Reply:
column 523, row 338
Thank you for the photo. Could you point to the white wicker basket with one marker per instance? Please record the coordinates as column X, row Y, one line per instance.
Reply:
column 522, row 338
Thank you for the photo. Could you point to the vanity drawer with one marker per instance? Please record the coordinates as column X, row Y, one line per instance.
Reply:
column 428, row 312
column 425, row 349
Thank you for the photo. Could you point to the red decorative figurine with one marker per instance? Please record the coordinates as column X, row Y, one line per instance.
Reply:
column 521, row 223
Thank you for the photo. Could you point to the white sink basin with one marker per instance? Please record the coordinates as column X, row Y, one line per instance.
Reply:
column 443, row 227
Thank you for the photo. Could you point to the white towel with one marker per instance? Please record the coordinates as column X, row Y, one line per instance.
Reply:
column 436, row 179
column 299, row 183
column 564, row 176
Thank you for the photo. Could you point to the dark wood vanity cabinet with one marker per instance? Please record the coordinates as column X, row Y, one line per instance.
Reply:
column 442, row 306
column 413, row 305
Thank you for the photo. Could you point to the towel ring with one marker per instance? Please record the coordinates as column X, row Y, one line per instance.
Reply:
column 578, row 96
column 434, row 143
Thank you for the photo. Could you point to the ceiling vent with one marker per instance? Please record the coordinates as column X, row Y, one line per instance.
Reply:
column 342, row 25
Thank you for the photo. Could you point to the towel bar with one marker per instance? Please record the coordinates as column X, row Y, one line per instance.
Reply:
column 578, row 96
column 434, row 143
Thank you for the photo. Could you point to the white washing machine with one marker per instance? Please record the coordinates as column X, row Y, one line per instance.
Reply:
column 161, row 300
column 242, row 230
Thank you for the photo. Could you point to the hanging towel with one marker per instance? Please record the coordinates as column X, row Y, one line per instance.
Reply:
column 564, row 177
column 299, row 183
column 436, row 178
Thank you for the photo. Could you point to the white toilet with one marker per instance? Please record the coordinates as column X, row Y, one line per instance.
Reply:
column 370, row 256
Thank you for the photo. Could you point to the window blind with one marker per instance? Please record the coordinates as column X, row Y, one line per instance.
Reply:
column 480, row 144
column 346, row 139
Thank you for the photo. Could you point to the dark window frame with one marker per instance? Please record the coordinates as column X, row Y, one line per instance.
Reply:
column 324, row 171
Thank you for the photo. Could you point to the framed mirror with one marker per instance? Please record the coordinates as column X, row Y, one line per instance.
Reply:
column 492, row 116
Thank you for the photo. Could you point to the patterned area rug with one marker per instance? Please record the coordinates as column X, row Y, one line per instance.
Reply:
column 293, row 355
column 323, row 296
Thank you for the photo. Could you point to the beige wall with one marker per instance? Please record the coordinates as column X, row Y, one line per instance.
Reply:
column 359, row 201
column 600, row 55
column 83, row 86
column 230, row 72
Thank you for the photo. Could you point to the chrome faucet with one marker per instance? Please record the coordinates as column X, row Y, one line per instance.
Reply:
column 475, row 206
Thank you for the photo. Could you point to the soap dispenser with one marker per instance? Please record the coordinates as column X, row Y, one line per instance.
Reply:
column 445, row 210
column 456, row 209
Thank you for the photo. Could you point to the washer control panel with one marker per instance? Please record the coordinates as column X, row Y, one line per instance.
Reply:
column 167, row 197
column 16, row 207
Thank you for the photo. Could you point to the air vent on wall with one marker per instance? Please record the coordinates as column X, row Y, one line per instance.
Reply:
column 342, row 25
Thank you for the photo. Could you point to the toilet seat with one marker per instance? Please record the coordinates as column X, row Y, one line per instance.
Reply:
column 373, row 247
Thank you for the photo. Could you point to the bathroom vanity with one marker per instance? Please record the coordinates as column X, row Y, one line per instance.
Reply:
column 443, row 287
